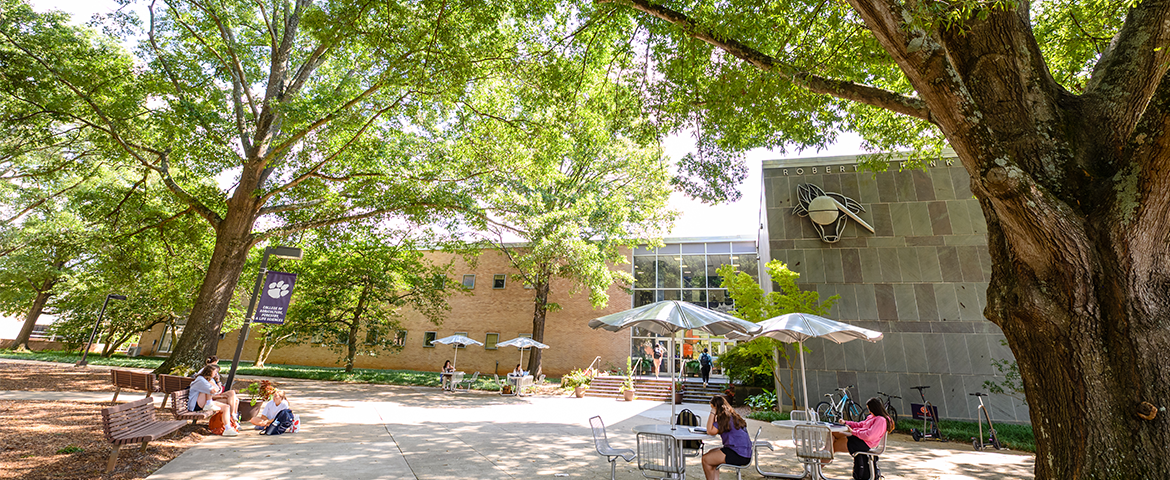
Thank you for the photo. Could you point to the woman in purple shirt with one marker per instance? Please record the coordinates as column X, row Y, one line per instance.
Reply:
column 732, row 430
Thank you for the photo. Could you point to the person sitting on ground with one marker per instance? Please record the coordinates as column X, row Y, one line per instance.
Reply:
column 268, row 412
column 445, row 380
column 200, row 398
column 732, row 430
column 867, row 433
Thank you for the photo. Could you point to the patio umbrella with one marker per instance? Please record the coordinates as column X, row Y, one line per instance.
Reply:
column 670, row 316
column 457, row 341
column 797, row 327
column 522, row 343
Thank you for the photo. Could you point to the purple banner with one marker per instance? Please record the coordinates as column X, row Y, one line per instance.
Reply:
column 274, row 297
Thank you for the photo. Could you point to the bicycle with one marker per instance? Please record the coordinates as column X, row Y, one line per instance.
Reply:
column 993, row 439
column 890, row 408
column 929, row 415
column 833, row 410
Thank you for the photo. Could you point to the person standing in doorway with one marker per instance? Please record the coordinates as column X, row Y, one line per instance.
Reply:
column 658, row 353
column 705, row 367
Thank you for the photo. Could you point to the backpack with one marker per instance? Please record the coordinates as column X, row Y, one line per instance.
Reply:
column 705, row 360
column 689, row 419
column 280, row 423
column 861, row 468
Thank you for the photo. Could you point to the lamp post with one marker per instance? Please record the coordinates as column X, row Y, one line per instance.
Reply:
column 278, row 252
column 85, row 355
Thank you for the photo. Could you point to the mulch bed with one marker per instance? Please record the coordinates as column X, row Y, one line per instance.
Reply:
column 43, row 440
column 38, row 377
column 64, row 439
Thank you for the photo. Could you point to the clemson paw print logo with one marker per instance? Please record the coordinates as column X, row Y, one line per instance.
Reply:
column 278, row 289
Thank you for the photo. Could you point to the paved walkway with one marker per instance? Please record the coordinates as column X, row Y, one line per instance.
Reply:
column 391, row 432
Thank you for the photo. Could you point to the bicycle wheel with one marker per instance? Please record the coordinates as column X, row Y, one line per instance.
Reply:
column 825, row 412
column 853, row 412
column 893, row 414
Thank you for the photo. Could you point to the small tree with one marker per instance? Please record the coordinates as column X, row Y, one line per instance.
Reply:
column 753, row 305
column 353, row 288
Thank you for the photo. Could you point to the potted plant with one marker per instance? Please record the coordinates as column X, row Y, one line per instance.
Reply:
column 578, row 380
column 627, row 388
column 679, row 388
column 258, row 393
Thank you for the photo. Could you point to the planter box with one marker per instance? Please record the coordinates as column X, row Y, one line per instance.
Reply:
column 247, row 410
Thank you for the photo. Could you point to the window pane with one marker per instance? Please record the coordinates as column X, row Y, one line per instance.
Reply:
column 670, row 294
column 719, row 300
column 694, row 271
column 643, row 297
column 718, row 247
column 643, row 250
column 469, row 281
column 429, row 339
column 748, row 264
column 697, row 297
column 489, row 342
column 498, row 281
column 400, row 338
column 460, row 333
column 698, row 248
column 644, row 272
column 743, row 247
column 668, row 270
column 713, row 263
column 372, row 336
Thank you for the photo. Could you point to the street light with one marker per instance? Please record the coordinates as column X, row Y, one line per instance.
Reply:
column 291, row 253
column 85, row 355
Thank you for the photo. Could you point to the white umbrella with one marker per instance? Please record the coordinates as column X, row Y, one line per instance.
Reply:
column 669, row 317
column 797, row 327
column 457, row 341
column 522, row 343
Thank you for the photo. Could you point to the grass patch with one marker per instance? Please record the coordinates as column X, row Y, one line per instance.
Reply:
column 1015, row 437
column 70, row 449
column 768, row 416
column 359, row 375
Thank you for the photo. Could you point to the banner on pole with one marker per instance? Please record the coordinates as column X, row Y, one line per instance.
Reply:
column 275, row 297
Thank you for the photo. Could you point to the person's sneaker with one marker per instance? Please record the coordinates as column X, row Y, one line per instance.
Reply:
column 259, row 427
column 230, row 432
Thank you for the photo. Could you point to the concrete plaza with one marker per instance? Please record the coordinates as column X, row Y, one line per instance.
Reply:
column 377, row 431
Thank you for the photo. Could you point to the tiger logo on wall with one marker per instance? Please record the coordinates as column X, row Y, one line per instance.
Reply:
column 829, row 212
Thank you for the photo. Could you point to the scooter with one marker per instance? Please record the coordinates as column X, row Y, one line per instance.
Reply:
column 992, row 439
column 929, row 415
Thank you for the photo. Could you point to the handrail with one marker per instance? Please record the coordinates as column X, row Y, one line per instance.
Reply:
column 595, row 360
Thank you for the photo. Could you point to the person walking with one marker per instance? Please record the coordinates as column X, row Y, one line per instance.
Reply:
column 658, row 353
column 705, row 367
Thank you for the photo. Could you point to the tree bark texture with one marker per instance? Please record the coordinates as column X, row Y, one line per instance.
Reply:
column 34, row 313
column 354, row 325
column 1074, row 191
column 540, row 312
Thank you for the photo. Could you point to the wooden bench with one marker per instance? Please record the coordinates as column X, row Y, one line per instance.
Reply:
column 179, row 408
column 132, row 380
column 168, row 384
column 134, row 423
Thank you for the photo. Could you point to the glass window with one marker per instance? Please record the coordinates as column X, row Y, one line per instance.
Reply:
column 429, row 339
column 713, row 263
column 668, row 271
column 743, row 247
column 460, row 333
column 694, row 271
column 719, row 300
column 469, row 281
column 372, row 336
column 697, row 297
column 490, row 341
column 317, row 338
column 671, row 248
column 699, row 248
column 721, row 247
column 643, row 297
column 400, row 338
column 525, row 335
column 644, row 272
column 669, row 294
column 643, row 250
column 498, row 281
column 747, row 263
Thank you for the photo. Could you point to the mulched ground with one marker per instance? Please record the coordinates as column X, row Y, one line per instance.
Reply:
column 62, row 439
column 35, row 377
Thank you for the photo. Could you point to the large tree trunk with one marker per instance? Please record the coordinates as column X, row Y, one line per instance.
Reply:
column 540, row 312
column 233, row 239
column 363, row 300
column 30, row 319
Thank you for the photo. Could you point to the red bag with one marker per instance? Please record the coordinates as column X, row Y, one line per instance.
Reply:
column 216, row 425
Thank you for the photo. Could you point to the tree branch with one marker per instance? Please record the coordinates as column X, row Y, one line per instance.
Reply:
column 287, row 207
column 203, row 210
column 159, row 224
column 1126, row 77
column 877, row 97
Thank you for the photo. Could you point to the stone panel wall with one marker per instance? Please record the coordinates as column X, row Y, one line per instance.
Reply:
column 920, row 278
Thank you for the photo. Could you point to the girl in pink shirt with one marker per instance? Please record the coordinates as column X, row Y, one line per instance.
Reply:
column 867, row 433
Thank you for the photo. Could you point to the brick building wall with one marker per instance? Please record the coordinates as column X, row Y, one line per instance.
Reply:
column 507, row 311
column 921, row 279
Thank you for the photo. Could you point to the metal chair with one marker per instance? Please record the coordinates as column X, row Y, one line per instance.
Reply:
column 468, row 383
column 602, row 443
column 814, row 445
column 659, row 457
column 872, row 456
column 738, row 468
column 501, row 385
column 803, row 415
